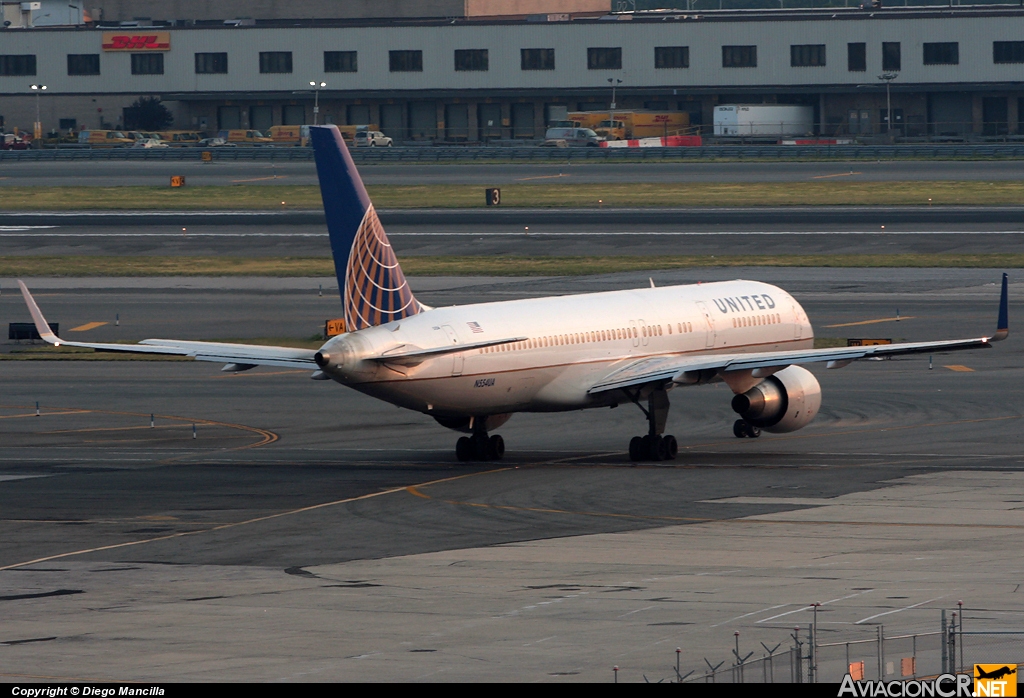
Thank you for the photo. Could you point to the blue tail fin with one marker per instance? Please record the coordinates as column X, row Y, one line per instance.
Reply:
column 373, row 288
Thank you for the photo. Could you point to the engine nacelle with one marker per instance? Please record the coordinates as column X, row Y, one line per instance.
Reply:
column 784, row 402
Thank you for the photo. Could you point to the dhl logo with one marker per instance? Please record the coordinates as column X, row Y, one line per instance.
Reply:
column 160, row 41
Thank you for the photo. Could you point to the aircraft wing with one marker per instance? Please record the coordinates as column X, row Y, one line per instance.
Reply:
column 239, row 357
column 693, row 369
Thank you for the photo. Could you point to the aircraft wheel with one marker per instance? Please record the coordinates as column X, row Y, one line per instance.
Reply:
column 752, row 431
column 656, row 447
column 739, row 429
column 636, row 449
column 495, row 448
column 671, row 447
column 479, row 443
column 464, row 449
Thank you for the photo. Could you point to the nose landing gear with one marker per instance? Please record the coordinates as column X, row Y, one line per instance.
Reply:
column 656, row 445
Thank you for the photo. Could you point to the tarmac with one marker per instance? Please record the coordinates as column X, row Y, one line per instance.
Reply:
column 271, row 528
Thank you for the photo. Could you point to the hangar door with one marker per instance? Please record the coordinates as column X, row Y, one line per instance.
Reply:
column 261, row 118
column 488, row 116
column 456, row 122
column 391, row 120
column 949, row 113
column 422, row 120
column 523, row 123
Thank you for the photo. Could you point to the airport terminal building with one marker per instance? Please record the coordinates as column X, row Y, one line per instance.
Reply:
column 487, row 74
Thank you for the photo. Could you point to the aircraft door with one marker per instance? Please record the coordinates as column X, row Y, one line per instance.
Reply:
column 711, row 335
column 798, row 325
column 458, row 360
column 643, row 332
column 636, row 333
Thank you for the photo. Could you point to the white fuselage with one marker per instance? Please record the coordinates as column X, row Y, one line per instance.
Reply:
column 571, row 343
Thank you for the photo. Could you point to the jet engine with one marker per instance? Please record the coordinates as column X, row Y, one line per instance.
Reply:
column 784, row 402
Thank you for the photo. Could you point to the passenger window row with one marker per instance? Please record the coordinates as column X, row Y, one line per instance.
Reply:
column 588, row 337
column 756, row 320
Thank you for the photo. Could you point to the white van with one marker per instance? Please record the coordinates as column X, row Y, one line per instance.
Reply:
column 571, row 137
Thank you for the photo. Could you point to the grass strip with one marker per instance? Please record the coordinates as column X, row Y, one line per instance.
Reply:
column 103, row 266
column 247, row 197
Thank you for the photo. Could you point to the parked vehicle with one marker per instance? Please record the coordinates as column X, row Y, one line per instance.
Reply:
column 348, row 133
column 769, row 120
column 289, row 135
column 626, row 124
column 371, row 139
column 12, row 141
column 245, row 136
column 180, row 138
column 140, row 135
column 104, row 139
column 150, row 143
column 571, row 137
column 215, row 143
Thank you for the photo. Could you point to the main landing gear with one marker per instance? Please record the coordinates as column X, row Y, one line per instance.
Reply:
column 654, row 445
column 744, row 429
column 480, row 446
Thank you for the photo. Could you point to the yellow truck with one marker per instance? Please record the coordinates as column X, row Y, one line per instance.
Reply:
column 289, row 135
column 104, row 139
column 633, row 124
column 180, row 138
column 245, row 136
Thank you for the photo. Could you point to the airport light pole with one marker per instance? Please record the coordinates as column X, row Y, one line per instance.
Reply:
column 888, row 78
column 614, row 82
column 316, row 99
column 37, row 130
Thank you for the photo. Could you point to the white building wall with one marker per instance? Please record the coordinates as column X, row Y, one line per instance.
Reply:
column 570, row 41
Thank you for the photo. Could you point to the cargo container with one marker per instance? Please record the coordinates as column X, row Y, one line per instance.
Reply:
column 766, row 120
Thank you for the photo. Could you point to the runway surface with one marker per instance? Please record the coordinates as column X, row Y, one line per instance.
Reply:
column 308, row 532
column 561, row 239
column 158, row 173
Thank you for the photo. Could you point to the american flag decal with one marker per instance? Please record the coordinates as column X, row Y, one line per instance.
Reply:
column 376, row 290
column 475, row 327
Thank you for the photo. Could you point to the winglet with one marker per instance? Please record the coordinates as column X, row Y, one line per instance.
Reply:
column 42, row 327
column 1003, row 325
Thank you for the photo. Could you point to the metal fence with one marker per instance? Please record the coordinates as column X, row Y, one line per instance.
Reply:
column 960, row 639
column 536, row 154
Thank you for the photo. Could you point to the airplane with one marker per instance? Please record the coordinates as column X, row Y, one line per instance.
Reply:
column 471, row 367
column 995, row 674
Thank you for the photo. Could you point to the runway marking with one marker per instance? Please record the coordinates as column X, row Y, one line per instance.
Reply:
column 268, row 437
column 841, row 174
column 874, row 322
column 752, row 613
column 842, row 432
column 259, row 179
column 808, row 608
column 898, row 610
column 88, row 326
column 263, row 373
column 524, row 179
column 960, row 368
column 257, row 519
